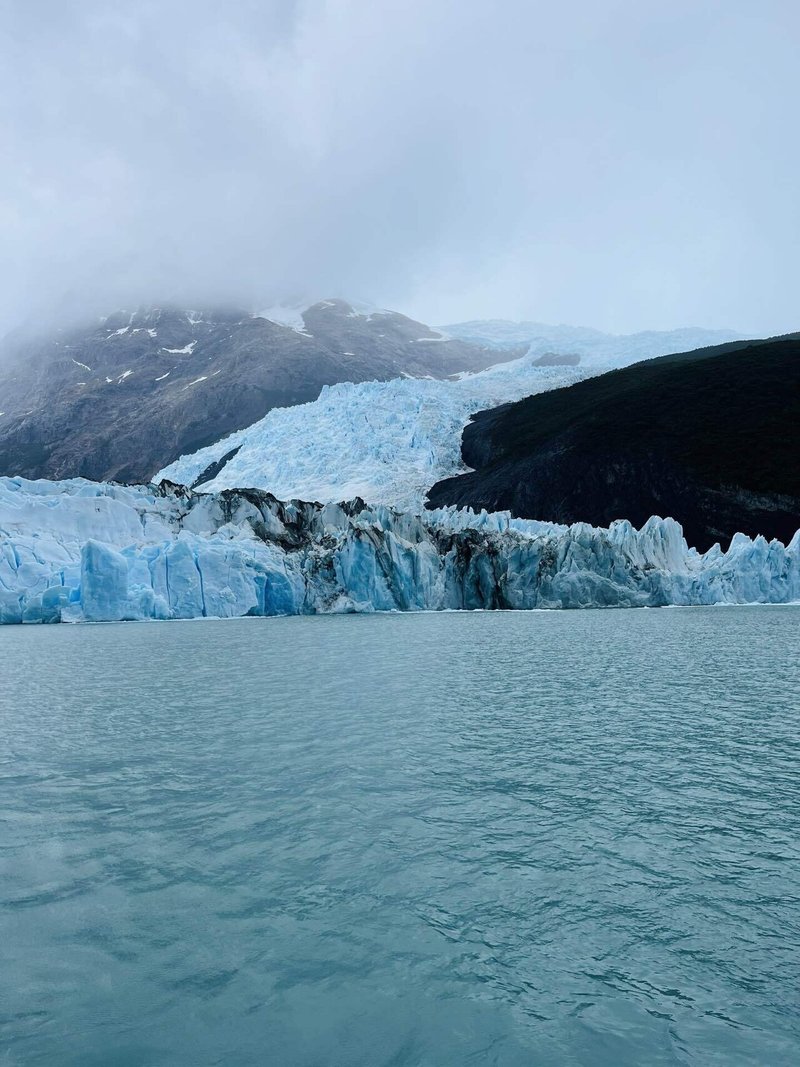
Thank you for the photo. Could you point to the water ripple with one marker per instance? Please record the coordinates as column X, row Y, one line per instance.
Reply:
column 546, row 838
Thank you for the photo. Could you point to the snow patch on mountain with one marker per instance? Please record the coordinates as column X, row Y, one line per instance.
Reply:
column 285, row 315
column 185, row 351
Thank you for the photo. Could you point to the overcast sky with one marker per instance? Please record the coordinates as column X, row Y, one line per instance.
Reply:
column 626, row 164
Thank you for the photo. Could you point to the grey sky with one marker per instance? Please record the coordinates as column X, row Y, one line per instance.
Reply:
column 625, row 163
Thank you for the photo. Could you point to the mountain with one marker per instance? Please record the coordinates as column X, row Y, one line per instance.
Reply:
column 592, row 347
column 83, row 551
column 710, row 438
column 123, row 397
column 386, row 442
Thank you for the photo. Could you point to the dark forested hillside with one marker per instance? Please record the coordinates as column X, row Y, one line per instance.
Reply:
column 711, row 438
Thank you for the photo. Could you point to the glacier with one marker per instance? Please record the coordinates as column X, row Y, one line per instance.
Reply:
column 593, row 346
column 386, row 442
column 75, row 551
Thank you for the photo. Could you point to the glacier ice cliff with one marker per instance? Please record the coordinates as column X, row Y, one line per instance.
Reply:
column 85, row 551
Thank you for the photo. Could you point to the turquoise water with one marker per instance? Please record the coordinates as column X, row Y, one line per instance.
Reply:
column 545, row 838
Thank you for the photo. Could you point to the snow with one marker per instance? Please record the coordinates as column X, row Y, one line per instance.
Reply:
column 289, row 315
column 162, row 377
column 79, row 364
column 594, row 347
column 124, row 375
column 83, row 551
column 185, row 351
column 387, row 442
column 119, row 332
column 202, row 378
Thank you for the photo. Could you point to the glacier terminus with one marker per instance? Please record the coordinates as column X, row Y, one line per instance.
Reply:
column 77, row 551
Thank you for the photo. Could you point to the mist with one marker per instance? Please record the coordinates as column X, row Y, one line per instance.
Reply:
column 626, row 165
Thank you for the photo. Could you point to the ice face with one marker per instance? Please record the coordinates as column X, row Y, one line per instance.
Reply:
column 77, row 550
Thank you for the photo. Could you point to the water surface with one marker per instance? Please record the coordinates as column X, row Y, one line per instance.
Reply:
column 493, row 839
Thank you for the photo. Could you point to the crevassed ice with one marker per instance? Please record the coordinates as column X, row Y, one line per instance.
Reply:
column 78, row 550
column 386, row 442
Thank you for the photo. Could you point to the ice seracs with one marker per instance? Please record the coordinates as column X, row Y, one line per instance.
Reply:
column 390, row 441
column 386, row 442
column 87, row 551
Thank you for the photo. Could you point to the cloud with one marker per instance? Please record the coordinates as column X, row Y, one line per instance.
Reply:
column 622, row 164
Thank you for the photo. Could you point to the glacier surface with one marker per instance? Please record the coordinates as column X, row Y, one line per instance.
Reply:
column 83, row 551
column 593, row 346
column 386, row 442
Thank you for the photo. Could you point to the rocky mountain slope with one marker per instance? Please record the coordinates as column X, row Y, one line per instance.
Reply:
column 710, row 438
column 123, row 397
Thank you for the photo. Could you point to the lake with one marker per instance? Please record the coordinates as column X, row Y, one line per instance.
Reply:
column 556, row 838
